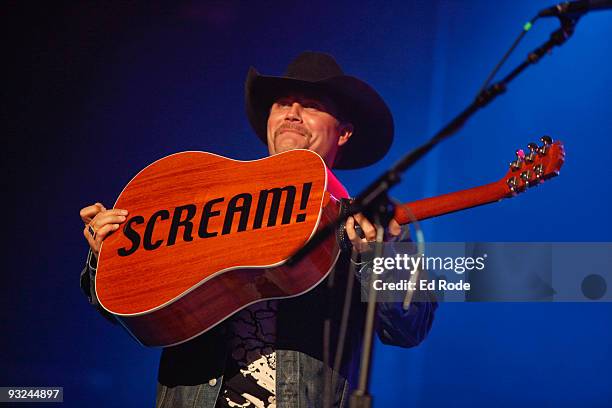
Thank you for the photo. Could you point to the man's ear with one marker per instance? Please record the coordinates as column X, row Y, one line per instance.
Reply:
column 346, row 131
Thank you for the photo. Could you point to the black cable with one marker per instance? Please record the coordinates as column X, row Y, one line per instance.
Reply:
column 526, row 27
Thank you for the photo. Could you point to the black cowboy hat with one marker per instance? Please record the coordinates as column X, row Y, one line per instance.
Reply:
column 358, row 103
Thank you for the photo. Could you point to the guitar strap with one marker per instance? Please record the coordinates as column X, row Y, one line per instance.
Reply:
column 344, row 243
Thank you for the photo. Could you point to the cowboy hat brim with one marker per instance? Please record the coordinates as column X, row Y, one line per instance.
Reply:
column 358, row 103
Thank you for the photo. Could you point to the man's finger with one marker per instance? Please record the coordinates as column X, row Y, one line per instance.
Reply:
column 350, row 228
column 89, row 212
column 360, row 244
column 394, row 228
column 91, row 241
column 108, row 217
column 114, row 211
column 104, row 231
column 368, row 229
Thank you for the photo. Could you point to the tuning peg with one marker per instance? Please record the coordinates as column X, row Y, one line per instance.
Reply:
column 533, row 152
column 526, row 177
column 539, row 170
column 547, row 141
column 520, row 157
column 512, row 183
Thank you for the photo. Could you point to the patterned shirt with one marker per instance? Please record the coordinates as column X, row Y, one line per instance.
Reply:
column 250, row 378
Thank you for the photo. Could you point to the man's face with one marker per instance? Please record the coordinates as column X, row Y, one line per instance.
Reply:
column 301, row 122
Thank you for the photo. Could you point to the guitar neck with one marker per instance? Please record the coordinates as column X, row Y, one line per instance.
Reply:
column 528, row 170
column 451, row 202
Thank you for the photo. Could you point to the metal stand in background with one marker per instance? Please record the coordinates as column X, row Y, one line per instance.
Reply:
column 382, row 214
column 374, row 202
column 371, row 195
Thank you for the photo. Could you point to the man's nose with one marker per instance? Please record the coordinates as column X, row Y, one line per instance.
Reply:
column 294, row 114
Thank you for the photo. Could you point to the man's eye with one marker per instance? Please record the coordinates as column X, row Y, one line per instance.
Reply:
column 313, row 105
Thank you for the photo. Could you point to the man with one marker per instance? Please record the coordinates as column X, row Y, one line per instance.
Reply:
column 271, row 354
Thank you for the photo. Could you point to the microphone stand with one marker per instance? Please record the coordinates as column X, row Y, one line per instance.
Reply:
column 379, row 187
column 374, row 202
column 360, row 398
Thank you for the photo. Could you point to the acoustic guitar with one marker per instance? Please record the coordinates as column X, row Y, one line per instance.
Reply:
column 207, row 235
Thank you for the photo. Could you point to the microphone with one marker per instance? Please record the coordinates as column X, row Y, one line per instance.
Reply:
column 575, row 9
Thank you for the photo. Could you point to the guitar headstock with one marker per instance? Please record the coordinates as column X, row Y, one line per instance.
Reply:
column 534, row 167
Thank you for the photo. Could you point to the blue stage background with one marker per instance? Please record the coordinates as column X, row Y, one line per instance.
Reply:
column 98, row 91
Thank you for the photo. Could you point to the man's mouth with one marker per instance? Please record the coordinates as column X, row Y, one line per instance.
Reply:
column 289, row 128
column 290, row 131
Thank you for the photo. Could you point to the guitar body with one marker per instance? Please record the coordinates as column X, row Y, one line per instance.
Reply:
column 207, row 236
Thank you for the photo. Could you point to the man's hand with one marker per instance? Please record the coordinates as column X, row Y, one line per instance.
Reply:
column 369, row 230
column 99, row 223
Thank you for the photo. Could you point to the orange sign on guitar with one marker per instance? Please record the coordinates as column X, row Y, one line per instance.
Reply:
column 194, row 216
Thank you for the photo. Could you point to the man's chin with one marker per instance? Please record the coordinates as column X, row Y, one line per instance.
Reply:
column 286, row 145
